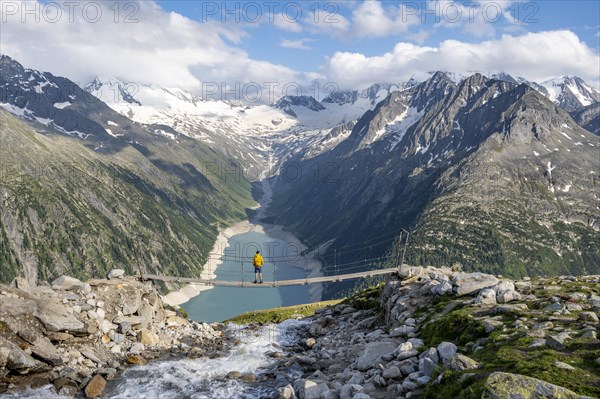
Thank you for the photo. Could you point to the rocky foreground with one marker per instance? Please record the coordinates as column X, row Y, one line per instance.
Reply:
column 78, row 335
column 426, row 333
column 436, row 333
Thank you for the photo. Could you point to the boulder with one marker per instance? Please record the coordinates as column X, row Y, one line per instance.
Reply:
column 487, row 296
column 308, row 389
column 392, row 372
column 15, row 358
column 349, row 390
column 426, row 367
column 66, row 387
column 588, row 317
column 115, row 273
column 132, row 304
column 506, row 385
column 148, row 338
column 461, row 362
column 472, row 283
column 95, row 388
column 446, row 350
column 55, row 317
column 371, row 355
column 43, row 349
column 68, row 284
column 508, row 296
column 287, row 392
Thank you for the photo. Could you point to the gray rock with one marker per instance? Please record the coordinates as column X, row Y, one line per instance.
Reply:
column 116, row 337
column 557, row 342
column 461, row 362
column 487, row 296
column 287, row 392
column 55, row 317
column 427, row 367
column 554, row 307
column 407, row 355
column 115, row 273
column 432, row 354
column 307, row 389
column 132, row 304
column 15, row 358
column 68, row 284
column 472, row 283
column 508, row 296
column 361, row 395
column 402, row 331
column 442, row 288
column 349, row 390
column 492, row 324
column 90, row 354
column 504, row 286
column 43, row 349
column 538, row 343
column 504, row 385
column 416, row 342
column 392, row 372
column 423, row 380
column 563, row 365
column 372, row 353
column 446, row 350
column 589, row 335
column 588, row 317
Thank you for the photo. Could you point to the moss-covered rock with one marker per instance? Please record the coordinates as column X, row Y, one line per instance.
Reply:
column 515, row 386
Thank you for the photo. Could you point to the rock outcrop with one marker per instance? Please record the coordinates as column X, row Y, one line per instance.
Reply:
column 442, row 343
column 76, row 335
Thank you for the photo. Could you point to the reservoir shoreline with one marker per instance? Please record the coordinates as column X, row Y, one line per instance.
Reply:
column 313, row 265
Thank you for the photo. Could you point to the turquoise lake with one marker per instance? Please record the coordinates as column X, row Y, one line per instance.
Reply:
column 282, row 262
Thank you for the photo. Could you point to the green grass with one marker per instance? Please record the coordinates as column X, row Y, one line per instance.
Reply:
column 366, row 299
column 509, row 352
column 277, row 315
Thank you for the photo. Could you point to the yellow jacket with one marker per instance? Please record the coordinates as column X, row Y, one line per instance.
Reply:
column 258, row 260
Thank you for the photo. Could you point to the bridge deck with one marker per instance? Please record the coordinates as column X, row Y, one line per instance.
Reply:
column 269, row 284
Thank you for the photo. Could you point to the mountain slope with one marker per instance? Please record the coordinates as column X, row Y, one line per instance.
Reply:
column 442, row 155
column 588, row 118
column 81, row 204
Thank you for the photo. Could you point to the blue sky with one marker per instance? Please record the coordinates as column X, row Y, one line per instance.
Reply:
column 352, row 44
column 264, row 38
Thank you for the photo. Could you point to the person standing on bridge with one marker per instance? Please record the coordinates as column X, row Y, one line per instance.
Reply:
column 258, row 263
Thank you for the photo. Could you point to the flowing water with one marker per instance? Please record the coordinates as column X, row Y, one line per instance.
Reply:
column 203, row 378
column 283, row 261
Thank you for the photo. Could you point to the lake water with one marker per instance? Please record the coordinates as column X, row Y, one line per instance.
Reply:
column 282, row 262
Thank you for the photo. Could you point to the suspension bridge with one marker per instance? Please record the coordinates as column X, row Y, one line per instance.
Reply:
column 270, row 284
column 341, row 271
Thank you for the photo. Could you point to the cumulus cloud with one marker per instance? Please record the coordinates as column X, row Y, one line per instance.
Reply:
column 370, row 19
column 163, row 48
column 535, row 56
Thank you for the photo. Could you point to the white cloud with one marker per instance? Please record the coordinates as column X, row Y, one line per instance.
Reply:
column 300, row 44
column 535, row 56
column 287, row 23
column 163, row 48
column 330, row 23
column 370, row 19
